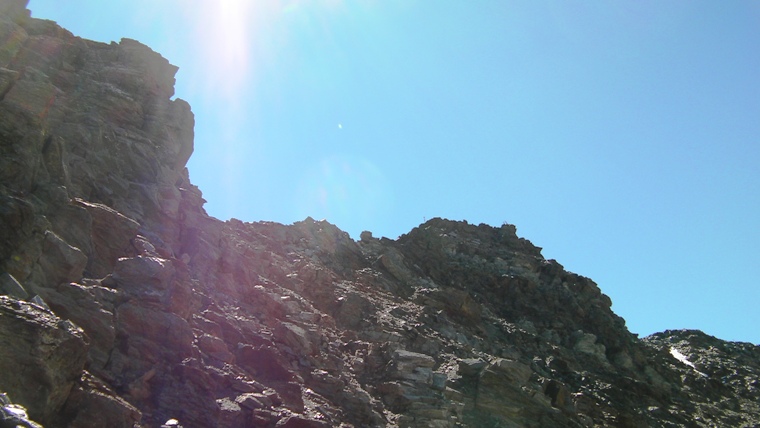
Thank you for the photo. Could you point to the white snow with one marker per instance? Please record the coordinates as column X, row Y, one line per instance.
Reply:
column 682, row 358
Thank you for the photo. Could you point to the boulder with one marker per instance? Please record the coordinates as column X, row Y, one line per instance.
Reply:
column 93, row 404
column 412, row 366
column 53, row 349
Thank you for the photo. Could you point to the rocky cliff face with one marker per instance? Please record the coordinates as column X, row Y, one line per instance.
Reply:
column 124, row 304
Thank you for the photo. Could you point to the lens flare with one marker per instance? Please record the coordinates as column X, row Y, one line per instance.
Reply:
column 225, row 33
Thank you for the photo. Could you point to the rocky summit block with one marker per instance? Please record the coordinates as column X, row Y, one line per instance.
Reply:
column 123, row 304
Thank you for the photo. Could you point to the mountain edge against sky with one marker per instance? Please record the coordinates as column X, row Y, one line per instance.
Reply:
column 123, row 304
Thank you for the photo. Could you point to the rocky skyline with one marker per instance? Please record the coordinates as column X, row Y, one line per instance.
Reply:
column 618, row 136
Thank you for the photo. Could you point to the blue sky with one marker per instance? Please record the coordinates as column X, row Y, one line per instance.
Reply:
column 621, row 137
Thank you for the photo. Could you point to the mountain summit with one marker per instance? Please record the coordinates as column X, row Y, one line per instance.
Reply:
column 123, row 304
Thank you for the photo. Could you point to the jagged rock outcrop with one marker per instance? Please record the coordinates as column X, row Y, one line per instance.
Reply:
column 124, row 304
column 13, row 415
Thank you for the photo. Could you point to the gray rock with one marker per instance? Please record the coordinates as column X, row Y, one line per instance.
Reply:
column 54, row 352
column 60, row 261
column 11, row 287
column 412, row 366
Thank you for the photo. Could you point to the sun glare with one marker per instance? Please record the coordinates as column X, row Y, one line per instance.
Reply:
column 225, row 32
column 234, row 36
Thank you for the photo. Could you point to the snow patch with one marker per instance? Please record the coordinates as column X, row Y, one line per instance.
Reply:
column 682, row 358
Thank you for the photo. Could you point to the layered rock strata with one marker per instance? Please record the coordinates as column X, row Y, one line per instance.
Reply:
column 124, row 304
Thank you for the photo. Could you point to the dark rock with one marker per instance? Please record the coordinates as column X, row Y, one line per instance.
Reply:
column 353, row 310
column 264, row 363
column 92, row 403
column 82, row 305
column 111, row 233
column 471, row 366
column 41, row 358
column 11, row 287
column 297, row 421
column 60, row 261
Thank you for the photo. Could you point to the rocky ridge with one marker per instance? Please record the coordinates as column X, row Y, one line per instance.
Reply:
column 123, row 304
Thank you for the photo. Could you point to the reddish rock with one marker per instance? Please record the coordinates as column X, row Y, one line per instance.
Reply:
column 92, row 403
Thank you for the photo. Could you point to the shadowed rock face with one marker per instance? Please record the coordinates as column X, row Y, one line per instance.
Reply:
column 124, row 304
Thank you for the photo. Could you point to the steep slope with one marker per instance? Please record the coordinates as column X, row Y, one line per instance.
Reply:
column 124, row 304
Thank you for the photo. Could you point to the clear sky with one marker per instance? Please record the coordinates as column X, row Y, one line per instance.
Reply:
column 622, row 137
